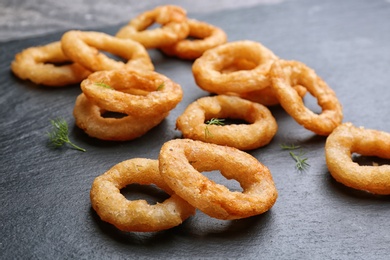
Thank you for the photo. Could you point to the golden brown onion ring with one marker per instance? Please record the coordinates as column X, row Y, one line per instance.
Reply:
column 160, row 94
column 347, row 139
column 173, row 27
column 267, row 97
column 206, row 36
column 136, row 215
column 237, row 67
column 285, row 75
column 89, row 117
column 48, row 65
column 183, row 160
column 84, row 48
column 259, row 131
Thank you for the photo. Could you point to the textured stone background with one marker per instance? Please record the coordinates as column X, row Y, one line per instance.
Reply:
column 44, row 193
column 23, row 18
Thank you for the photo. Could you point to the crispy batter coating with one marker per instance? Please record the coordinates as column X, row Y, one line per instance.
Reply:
column 285, row 74
column 267, row 97
column 259, row 131
column 84, row 48
column 183, row 160
column 136, row 215
column 133, row 92
column 347, row 139
column 173, row 27
column 89, row 117
column 48, row 65
column 237, row 67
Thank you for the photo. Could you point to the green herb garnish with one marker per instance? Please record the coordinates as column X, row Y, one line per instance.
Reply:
column 215, row 121
column 300, row 161
column 289, row 146
column 161, row 86
column 102, row 84
column 60, row 134
column 212, row 121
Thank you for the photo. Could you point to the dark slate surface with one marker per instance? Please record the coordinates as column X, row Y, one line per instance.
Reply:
column 45, row 208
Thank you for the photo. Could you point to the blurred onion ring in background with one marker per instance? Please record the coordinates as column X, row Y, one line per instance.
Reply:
column 48, row 65
column 136, row 215
column 206, row 36
column 173, row 27
column 347, row 139
column 237, row 67
column 183, row 160
column 286, row 74
column 259, row 131
column 83, row 47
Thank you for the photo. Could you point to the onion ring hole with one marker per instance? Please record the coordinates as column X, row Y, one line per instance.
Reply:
column 151, row 193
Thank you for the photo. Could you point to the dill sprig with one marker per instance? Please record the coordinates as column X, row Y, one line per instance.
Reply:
column 102, row 84
column 60, row 134
column 216, row 121
column 299, row 158
column 289, row 146
column 212, row 121
column 300, row 161
column 161, row 86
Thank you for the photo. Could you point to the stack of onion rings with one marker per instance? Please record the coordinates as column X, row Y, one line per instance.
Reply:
column 146, row 97
column 261, row 128
column 347, row 139
column 90, row 118
column 174, row 28
column 83, row 47
column 181, row 162
column 285, row 75
column 38, row 64
column 160, row 94
column 136, row 215
column 206, row 37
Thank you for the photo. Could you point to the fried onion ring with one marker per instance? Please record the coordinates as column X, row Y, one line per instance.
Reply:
column 38, row 64
column 89, row 117
column 259, row 132
column 160, row 94
column 83, row 47
column 206, row 37
column 284, row 75
column 267, row 97
column 183, row 160
column 171, row 17
column 237, row 67
column 136, row 215
column 347, row 139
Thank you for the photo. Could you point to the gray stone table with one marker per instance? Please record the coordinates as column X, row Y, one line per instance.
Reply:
column 45, row 209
